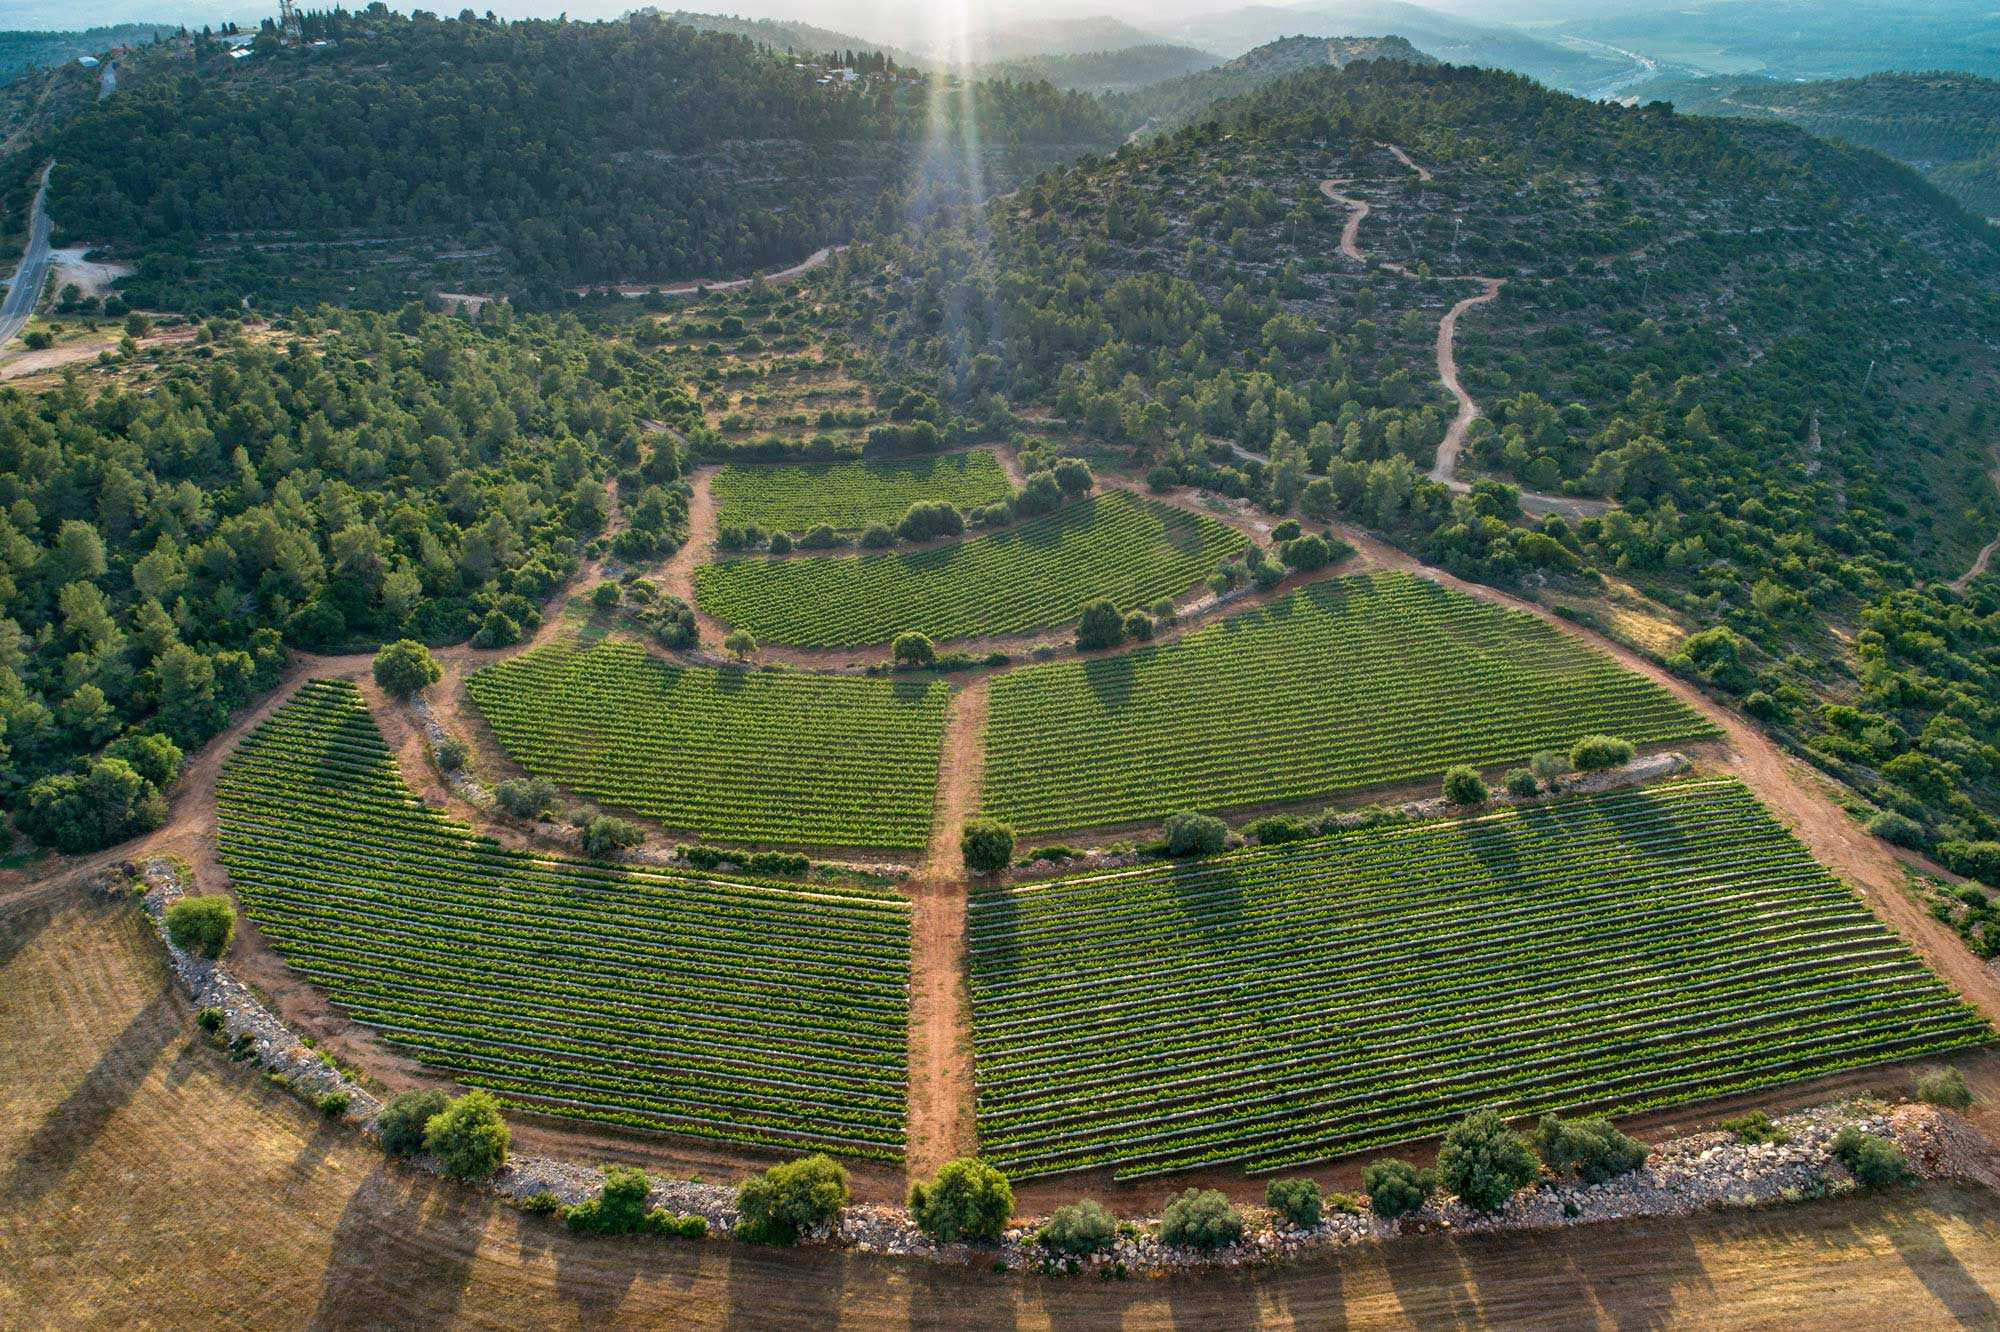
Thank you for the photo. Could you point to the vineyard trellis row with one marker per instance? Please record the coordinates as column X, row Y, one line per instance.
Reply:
column 1032, row 577
column 1369, row 680
column 736, row 1009
column 1281, row 1006
column 852, row 496
column 744, row 756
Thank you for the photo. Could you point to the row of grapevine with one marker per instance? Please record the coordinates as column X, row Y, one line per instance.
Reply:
column 746, row 756
column 1370, row 680
column 1019, row 580
column 730, row 1009
column 1281, row 1006
column 852, row 496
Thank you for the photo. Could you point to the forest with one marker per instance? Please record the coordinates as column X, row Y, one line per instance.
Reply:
column 346, row 479
column 585, row 152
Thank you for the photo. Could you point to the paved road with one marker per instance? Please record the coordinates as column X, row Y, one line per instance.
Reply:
column 33, row 274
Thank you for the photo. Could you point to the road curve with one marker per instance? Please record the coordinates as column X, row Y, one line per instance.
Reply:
column 33, row 274
column 1447, row 365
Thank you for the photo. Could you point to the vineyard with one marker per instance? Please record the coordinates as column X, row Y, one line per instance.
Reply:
column 727, row 1009
column 851, row 496
column 746, row 756
column 1276, row 1007
column 1356, row 682
column 1033, row 577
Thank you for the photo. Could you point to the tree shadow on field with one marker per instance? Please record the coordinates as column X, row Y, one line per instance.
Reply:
column 402, row 1253
column 73, row 1126
column 1924, row 1251
column 21, row 926
column 1110, row 681
column 758, row 1300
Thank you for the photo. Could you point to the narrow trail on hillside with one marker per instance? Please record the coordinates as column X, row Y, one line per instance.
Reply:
column 1984, row 560
column 1444, row 469
column 940, row 1124
column 677, row 574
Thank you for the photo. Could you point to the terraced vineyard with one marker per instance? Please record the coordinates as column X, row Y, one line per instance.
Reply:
column 1276, row 1007
column 745, row 756
column 1356, row 682
column 730, row 1009
column 1033, row 577
column 851, row 496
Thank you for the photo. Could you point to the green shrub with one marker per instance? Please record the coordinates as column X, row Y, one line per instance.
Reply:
column 541, row 1203
column 1872, row 1160
column 619, row 1210
column 1297, row 1200
column 1275, row 829
column 468, row 1136
column 203, row 925
column 1201, row 1219
column 605, row 595
column 451, row 753
column 525, row 797
column 1080, row 1228
column 1595, row 753
column 405, row 667
column 913, row 649
column 781, row 544
column 1191, row 834
column 1755, row 1128
column 787, row 1199
column 403, row 1120
column 604, row 834
column 1484, row 1162
column 1897, row 829
column 1547, row 765
column 334, row 1104
column 661, row 1222
column 1464, row 787
column 1521, row 783
column 1396, row 1188
column 1101, row 626
column 969, row 1200
column 1944, row 1087
column 210, row 1019
column 988, row 845
column 1590, row 1149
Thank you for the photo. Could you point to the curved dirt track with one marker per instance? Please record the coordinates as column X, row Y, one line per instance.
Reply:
column 147, row 1181
column 1984, row 560
column 1446, row 466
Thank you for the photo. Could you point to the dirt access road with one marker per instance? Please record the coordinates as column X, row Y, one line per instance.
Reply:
column 145, row 1180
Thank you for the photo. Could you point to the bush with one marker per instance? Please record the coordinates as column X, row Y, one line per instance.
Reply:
column 1101, row 626
column 1041, row 493
column 913, row 649
column 1080, row 1228
column 1591, row 1149
column 1308, row 553
column 1161, row 478
column 1873, row 1161
column 1297, row 1200
column 1521, row 783
column 619, row 1210
column 468, row 1136
column 1897, row 829
column 1274, row 829
column 202, row 925
column 1396, row 1188
column 927, row 520
column 525, row 797
column 1073, row 476
column 406, row 667
column 605, row 595
column 1944, row 1087
column 541, row 1203
column 334, row 1104
column 820, row 536
column 1975, row 860
column 403, row 1120
column 988, row 845
column 153, row 757
column 781, row 544
column 661, row 1222
column 1463, row 786
column 741, row 644
column 787, row 1199
column 1201, row 1219
column 1286, row 531
column 451, row 753
column 877, row 537
column 1755, row 1128
column 1595, row 753
column 1138, row 627
column 604, row 834
column 211, row 1019
column 1484, row 1162
column 1191, row 834
column 969, row 1200
column 1547, row 765
column 498, row 629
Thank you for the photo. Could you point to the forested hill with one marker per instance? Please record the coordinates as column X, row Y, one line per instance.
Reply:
column 21, row 51
column 627, row 151
column 1945, row 125
column 1175, row 102
column 1758, row 369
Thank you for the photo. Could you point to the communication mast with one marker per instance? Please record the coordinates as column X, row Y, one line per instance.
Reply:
column 290, row 23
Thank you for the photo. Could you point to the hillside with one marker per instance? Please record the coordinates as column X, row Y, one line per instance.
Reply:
column 1453, row 40
column 533, row 155
column 795, row 38
column 1755, row 371
column 1947, row 126
column 21, row 51
column 1175, row 102
column 1124, row 70
column 1047, row 37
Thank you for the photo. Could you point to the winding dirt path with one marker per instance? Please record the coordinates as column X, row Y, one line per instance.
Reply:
column 1446, row 465
column 1984, row 560
column 941, row 1125
column 677, row 574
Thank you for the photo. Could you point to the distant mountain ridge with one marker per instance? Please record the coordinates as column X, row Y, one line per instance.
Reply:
column 795, row 38
column 1125, row 70
column 1177, row 102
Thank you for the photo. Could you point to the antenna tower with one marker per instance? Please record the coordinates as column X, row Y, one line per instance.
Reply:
column 290, row 23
